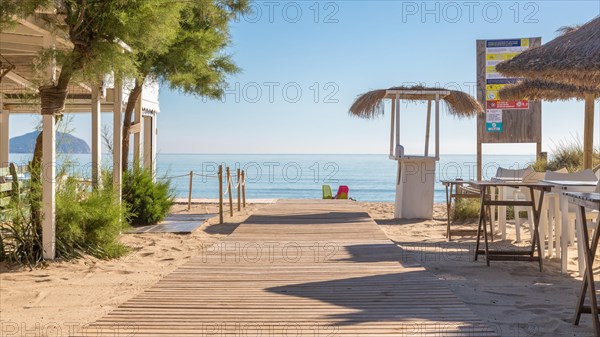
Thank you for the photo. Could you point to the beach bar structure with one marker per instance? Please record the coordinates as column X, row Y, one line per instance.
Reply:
column 415, row 179
column 20, row 46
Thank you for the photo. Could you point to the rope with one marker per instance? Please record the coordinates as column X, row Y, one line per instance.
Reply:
column 206, row 176
column 175, row 177
column 187, row 175
column 226, row 191
column 231, row 182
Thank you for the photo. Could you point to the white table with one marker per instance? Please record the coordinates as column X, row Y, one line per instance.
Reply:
column 559, row 187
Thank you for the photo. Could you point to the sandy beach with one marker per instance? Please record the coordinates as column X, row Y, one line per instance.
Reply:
column 515, row 298
column 64, row 296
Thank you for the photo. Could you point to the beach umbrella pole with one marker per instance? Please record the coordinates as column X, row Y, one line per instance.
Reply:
column 588, row 133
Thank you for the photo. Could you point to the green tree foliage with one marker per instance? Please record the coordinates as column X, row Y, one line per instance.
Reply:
column 99, row 33
column 149, row 201
column 192, row 59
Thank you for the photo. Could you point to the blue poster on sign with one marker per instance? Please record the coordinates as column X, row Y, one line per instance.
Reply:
column 503, row 43
column 493, row 127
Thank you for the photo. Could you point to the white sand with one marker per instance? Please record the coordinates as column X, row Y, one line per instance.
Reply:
column 67, row 295
column 514, row 297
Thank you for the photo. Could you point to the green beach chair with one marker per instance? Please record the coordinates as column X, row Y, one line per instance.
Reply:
column 327, row 192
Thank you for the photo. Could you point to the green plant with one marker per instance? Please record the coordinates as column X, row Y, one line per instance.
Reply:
column 465, row 209
column 468, row 209
column 89, row 221
column 149, row 201
column 21, row 238
column 567, row 155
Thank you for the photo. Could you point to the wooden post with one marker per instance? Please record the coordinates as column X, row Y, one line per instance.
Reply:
column 229, row 187
column 427, row 127
column 239, row 190
column 4, row 136
column 48, row 187
column 190, row 191
column 244, row 188
column 479, row 160
column 588, row 133
column 96, row 136
column 220, row 194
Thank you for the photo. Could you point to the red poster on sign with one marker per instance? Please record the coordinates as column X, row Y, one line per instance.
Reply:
column 506, row 105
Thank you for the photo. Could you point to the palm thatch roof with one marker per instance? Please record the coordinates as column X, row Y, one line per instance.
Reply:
column 537, row 90
column 573, row 57
column 371, row 104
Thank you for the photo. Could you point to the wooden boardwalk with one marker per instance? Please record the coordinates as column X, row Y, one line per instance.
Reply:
column 297, row 268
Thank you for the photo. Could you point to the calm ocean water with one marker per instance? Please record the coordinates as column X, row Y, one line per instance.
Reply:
column 370, row 177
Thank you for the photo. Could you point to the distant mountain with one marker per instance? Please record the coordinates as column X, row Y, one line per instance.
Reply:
column 65, row 143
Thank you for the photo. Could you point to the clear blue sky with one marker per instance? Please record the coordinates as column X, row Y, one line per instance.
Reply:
column 333, row 51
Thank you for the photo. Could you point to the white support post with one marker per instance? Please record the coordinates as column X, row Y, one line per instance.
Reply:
column 117, row 135
column 397, row 120
column 392, row 127
column 437, row 126
column 149, row 142
column 96, row 136
column 137, row 137
column 427, row 128
column 48, row 187
column 4, row 136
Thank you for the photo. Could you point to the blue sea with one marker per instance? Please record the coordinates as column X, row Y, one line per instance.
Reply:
column 370, row 177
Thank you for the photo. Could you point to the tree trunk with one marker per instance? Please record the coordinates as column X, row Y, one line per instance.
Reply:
column 53, row 98
column 134, row 95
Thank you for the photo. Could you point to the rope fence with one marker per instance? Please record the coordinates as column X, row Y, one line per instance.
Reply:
column 239, row 186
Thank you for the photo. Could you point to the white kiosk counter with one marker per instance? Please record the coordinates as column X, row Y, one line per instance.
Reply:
column 415, row 179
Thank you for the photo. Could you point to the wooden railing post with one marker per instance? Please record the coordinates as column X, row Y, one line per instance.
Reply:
column 220, row 194
column 230, row 191
column 190, row 191
column 239, row 189
column 244, row 188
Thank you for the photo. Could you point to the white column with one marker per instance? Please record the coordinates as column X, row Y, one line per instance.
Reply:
column 149, row 142
column 437, row 126
column 397, row 120
column 427, row 128
column 117, row 135
column 48, row 186
column 392, row 123
column 96, row 136
column 4, row 136
column 137, row 137
column 399, row 191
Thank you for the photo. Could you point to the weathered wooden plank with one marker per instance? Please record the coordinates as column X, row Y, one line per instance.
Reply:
column 294, row 267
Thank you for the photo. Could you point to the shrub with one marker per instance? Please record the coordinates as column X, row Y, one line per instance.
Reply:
column 149, row 201
column 89, row 221
column 86, row 222
column 466, row 209
column 568, row 155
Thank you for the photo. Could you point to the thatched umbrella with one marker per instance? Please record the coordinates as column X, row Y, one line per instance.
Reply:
column 370, row 104
column 572, row 58
column 538, row 90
